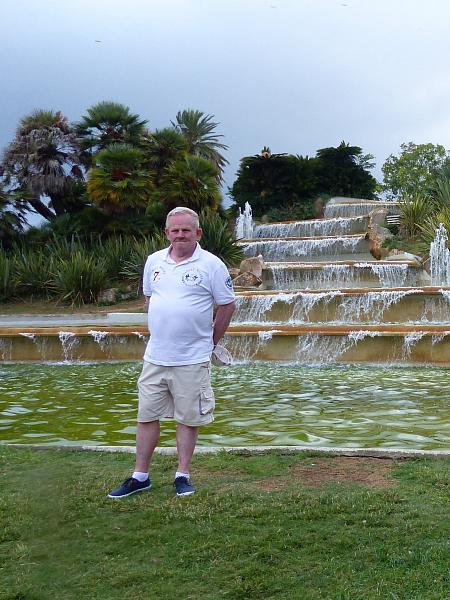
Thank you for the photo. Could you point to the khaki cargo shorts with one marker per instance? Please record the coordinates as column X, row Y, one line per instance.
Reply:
column 183, row 393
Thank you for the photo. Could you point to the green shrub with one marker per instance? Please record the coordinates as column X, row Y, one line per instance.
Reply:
column 218, row 239
column 80, row 278
column 414, row 210
column 32, row 272
column 428, row 228
column 7, row 286
column 291, row 213
column 141, row 247
column 115, row 252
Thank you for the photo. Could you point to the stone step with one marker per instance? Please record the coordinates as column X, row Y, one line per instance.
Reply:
column 343, row 274
column 359, row 305
column 313, row 227
column 312, row 249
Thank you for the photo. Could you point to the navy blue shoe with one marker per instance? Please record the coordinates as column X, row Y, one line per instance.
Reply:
column 183, row 486
column 130, row 486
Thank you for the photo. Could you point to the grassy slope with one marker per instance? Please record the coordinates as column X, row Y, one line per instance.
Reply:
column 253, row 531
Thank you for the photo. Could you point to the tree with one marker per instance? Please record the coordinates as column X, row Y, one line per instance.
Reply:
column 12, row 220
column 415, row 170
column 198, row 130
column 343, row 171
column 162, row 148
column 43, row 160
column 108, row 123
column 274, row 181
column 118, row 181
column 190, row 181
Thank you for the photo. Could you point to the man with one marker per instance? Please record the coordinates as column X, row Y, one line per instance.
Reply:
column 181, row 283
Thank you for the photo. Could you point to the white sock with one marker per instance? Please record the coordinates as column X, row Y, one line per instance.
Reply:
column 180, row 474
column 140, row 476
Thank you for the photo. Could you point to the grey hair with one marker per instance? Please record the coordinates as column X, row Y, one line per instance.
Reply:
column 185, row 210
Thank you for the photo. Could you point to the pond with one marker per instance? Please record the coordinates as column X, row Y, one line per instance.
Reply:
column 257, row 404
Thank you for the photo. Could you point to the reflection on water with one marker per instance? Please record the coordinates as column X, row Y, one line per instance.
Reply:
column 257, row 404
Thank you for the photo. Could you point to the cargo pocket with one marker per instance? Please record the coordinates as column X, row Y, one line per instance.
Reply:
column 207, row 401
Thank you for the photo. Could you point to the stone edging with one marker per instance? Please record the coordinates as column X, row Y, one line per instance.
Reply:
column 393, row 453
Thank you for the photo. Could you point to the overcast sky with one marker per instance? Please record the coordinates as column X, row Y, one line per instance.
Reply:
column 294, row 75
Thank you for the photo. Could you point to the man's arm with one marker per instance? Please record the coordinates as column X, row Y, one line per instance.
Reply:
column 222, row 320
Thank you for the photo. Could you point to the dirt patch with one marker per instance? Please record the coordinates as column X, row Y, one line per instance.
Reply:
column 343, row 469
column 316, row 472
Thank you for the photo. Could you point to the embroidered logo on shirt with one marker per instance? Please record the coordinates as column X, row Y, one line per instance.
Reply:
column 192, row 277
column 156, row 274
column 229, row 283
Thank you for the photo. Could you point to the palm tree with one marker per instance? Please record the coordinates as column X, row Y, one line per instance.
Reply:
column 118, row 182
column 108, row 123
column 191, row 181
column 199, row 131
column 12, row 220
column 162, row 148
column 43, row 160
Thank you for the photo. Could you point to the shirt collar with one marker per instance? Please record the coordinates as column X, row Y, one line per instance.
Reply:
column 195, row 256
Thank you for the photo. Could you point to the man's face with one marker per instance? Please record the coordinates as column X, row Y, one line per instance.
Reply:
column 182, row 233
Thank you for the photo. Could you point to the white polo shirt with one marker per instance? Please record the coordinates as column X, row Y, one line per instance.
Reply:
column 182, row 296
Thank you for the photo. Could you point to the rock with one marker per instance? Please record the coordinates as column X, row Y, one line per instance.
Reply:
column 253, row 265
column 319, row 208
column 233, row 271
column 378, row 216
column 377, row 236
column 399, row 255
column 109, row 295
column 247, row 280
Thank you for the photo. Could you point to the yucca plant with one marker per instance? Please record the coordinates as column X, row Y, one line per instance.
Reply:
column 64, row 248
column 79, row 279
column 218, row 239
column 428, row 228
column 115, row 251
column 7, row 286
column 133, row 268
column 32, row 272
column 414, row 210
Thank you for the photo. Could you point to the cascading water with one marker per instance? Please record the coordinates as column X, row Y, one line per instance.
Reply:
column 319, row 227
column 440, row 258
column 284, row 250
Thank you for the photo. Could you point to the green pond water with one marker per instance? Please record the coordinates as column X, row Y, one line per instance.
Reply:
column 257, row 404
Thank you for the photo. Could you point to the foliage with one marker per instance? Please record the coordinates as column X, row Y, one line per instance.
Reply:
column 43, row 160
column 294, row 212
column 12, row 220
column 415, row 170
column 108, row 123
column 284, row 182
column 140, row 249
column 115, row 252
column 198, row 130
column 413, row 212
column 192, row 182
column 343, row 171
column 80, row 278
column 161, row 149
column 257, row 529
column 118, row 180
column 31, row 271
column 274, row 181
column 431, row 223
column 7, row 283
column 218, row 239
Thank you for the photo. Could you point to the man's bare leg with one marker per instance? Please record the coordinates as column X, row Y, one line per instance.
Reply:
column 147, row 437
column 186, row 440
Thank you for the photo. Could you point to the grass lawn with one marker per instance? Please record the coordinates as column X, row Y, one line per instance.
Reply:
column 272, row 526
